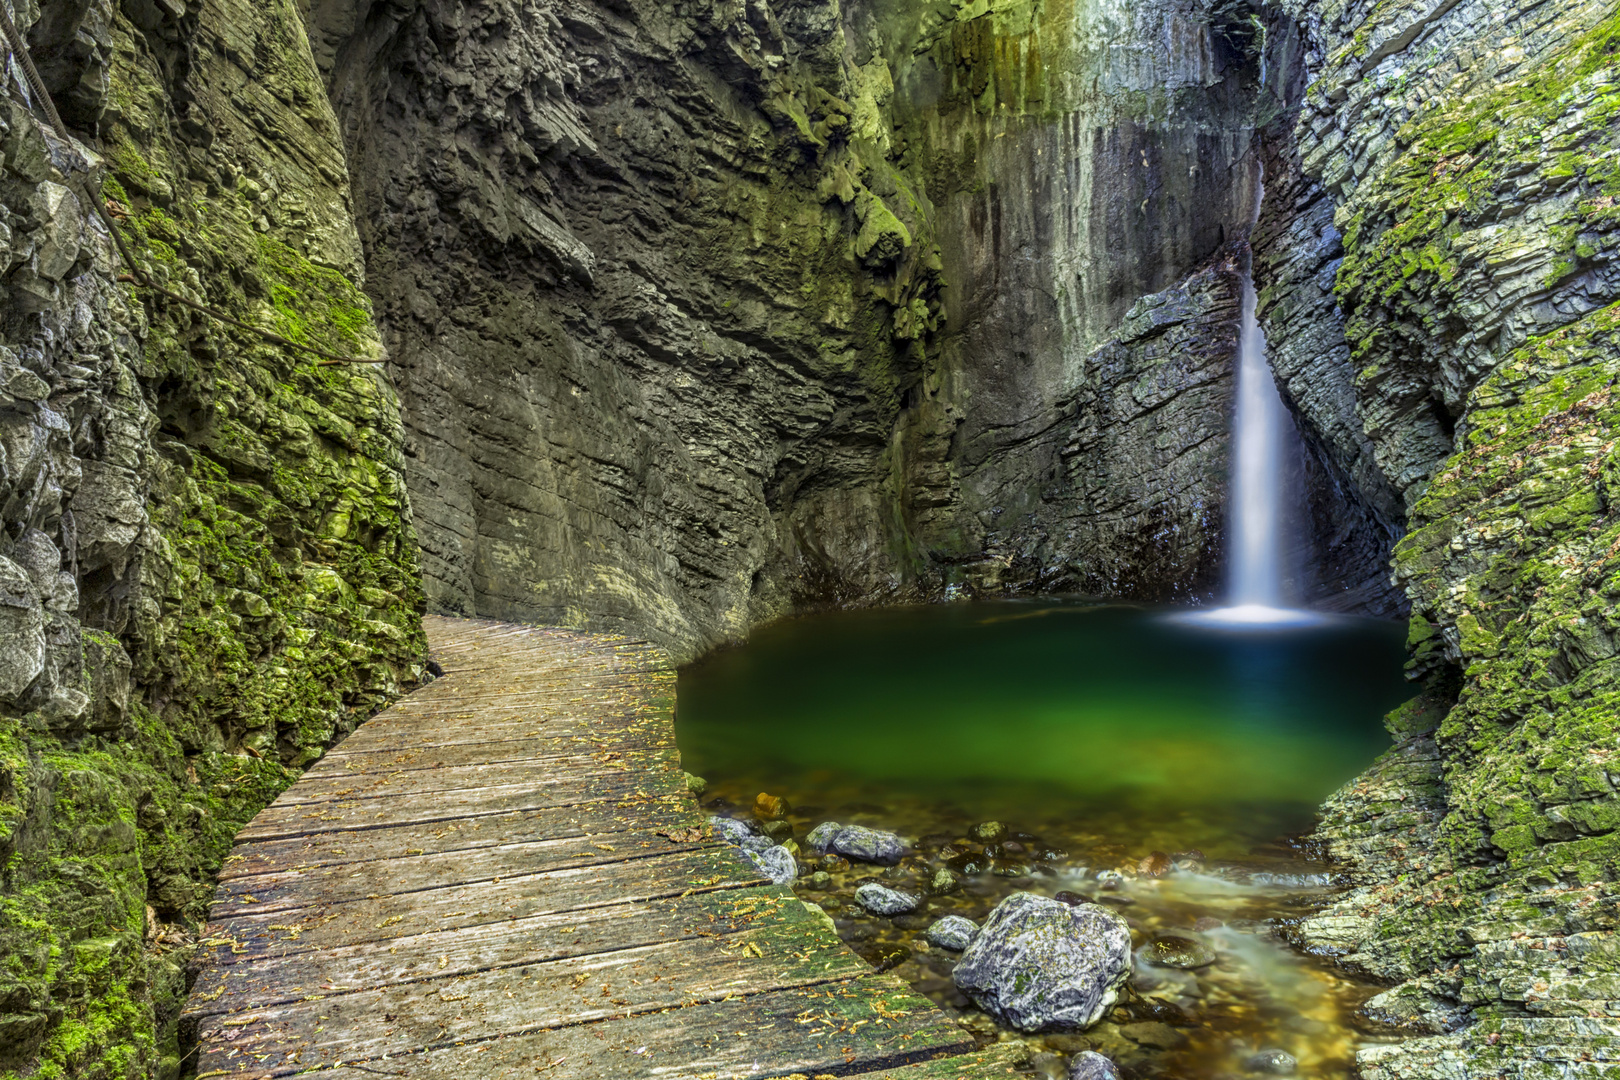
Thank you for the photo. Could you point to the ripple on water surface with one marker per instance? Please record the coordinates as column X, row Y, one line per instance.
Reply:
column 1101, row 733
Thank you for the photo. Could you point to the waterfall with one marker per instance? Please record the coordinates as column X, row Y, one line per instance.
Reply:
column 1256, row 517
column 1259, row 437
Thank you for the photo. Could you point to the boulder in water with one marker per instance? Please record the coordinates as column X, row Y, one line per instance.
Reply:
column 882, row 900
column 1041, row 965
column 868, row 845
column 821, row 836
column 952, row 932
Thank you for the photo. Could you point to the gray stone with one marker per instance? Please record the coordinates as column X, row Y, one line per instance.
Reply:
column 1039, row 964
column 1090, row 1065
column 868, row 845
column 776, row 863
column 821, row 836
column 22, row 631
column 881, row 900
column 952, row 932
column 59, row 232
column 728, row 829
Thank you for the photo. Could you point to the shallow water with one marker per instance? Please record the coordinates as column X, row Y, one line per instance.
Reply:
column 1100, row 733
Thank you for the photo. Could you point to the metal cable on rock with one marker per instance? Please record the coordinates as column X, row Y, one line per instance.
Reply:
column 137, row 276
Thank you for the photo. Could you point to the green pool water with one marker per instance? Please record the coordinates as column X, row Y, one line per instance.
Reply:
column 1099, row 735
column 1040, row 712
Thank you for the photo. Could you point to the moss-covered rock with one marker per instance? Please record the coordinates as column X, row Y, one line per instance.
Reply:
column 213, row 538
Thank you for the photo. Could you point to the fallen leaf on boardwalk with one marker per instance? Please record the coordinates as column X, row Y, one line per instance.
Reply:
column 390, row 921
column 682, row 836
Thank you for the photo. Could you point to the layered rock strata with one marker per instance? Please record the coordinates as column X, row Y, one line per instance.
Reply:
column 704, row 315
column 1452, row 197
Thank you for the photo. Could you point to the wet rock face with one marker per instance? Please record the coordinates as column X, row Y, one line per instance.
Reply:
column 1039, row 964
column 700, row 317
column 205, row 577
column 1449, row 216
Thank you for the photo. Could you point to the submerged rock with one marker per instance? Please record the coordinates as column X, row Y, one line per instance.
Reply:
column 1272, row 1062
column 695, row 784
column 944, row 882
column 770, row 807
column 868, row 845
column 1179, row 950
column 952, row 932
column 1039, row 964
column 882, row 900
column 1090, row 1065
column 776, row 829
column 987, row 831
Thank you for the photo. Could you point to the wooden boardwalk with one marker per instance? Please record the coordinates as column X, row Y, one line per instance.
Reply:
column 504, row 875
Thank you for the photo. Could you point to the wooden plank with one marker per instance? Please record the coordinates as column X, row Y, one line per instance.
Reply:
column 265, row 981
column 844, row 1028
column 402, row 783
column 248, row 928
column 430, row 752
column 413, row 872
column 279, row 822
column 513, row 1000
column 476, row 878
column 606, row 819
column 995, row 1062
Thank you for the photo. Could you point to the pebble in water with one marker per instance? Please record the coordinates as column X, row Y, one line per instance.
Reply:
column 944, row 882
column 990, row 831
column 834, row 864
column 881, row 900
column 770, row 807
column 822, row 835
column 868, row 845
column 1090, row 1065
column 952, row 932
column 777, row 829
column 1180, row 950
column 1272, row 1062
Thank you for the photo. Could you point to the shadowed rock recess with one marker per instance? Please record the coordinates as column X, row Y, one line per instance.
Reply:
column 696, row 314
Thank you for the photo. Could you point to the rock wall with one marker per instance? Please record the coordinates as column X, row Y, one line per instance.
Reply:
column 705, row 315
column 1441, row 277
column 206, row 570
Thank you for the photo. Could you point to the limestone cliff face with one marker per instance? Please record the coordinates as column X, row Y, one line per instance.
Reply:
column 1441, row 275
column 206, row 567
column 702, row 315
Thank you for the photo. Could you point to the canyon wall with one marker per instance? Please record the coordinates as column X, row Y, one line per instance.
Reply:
column 705, row 315
column 206, row 568
column 1440, row 280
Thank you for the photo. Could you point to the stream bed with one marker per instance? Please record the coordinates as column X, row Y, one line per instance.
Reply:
column 1129, row 757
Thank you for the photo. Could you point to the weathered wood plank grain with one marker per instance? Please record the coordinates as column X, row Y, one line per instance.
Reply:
column 505, row 875
column 845, row 1028
column 603, row 819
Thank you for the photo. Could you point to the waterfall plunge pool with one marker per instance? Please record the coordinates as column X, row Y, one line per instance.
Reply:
column 1099, row 733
